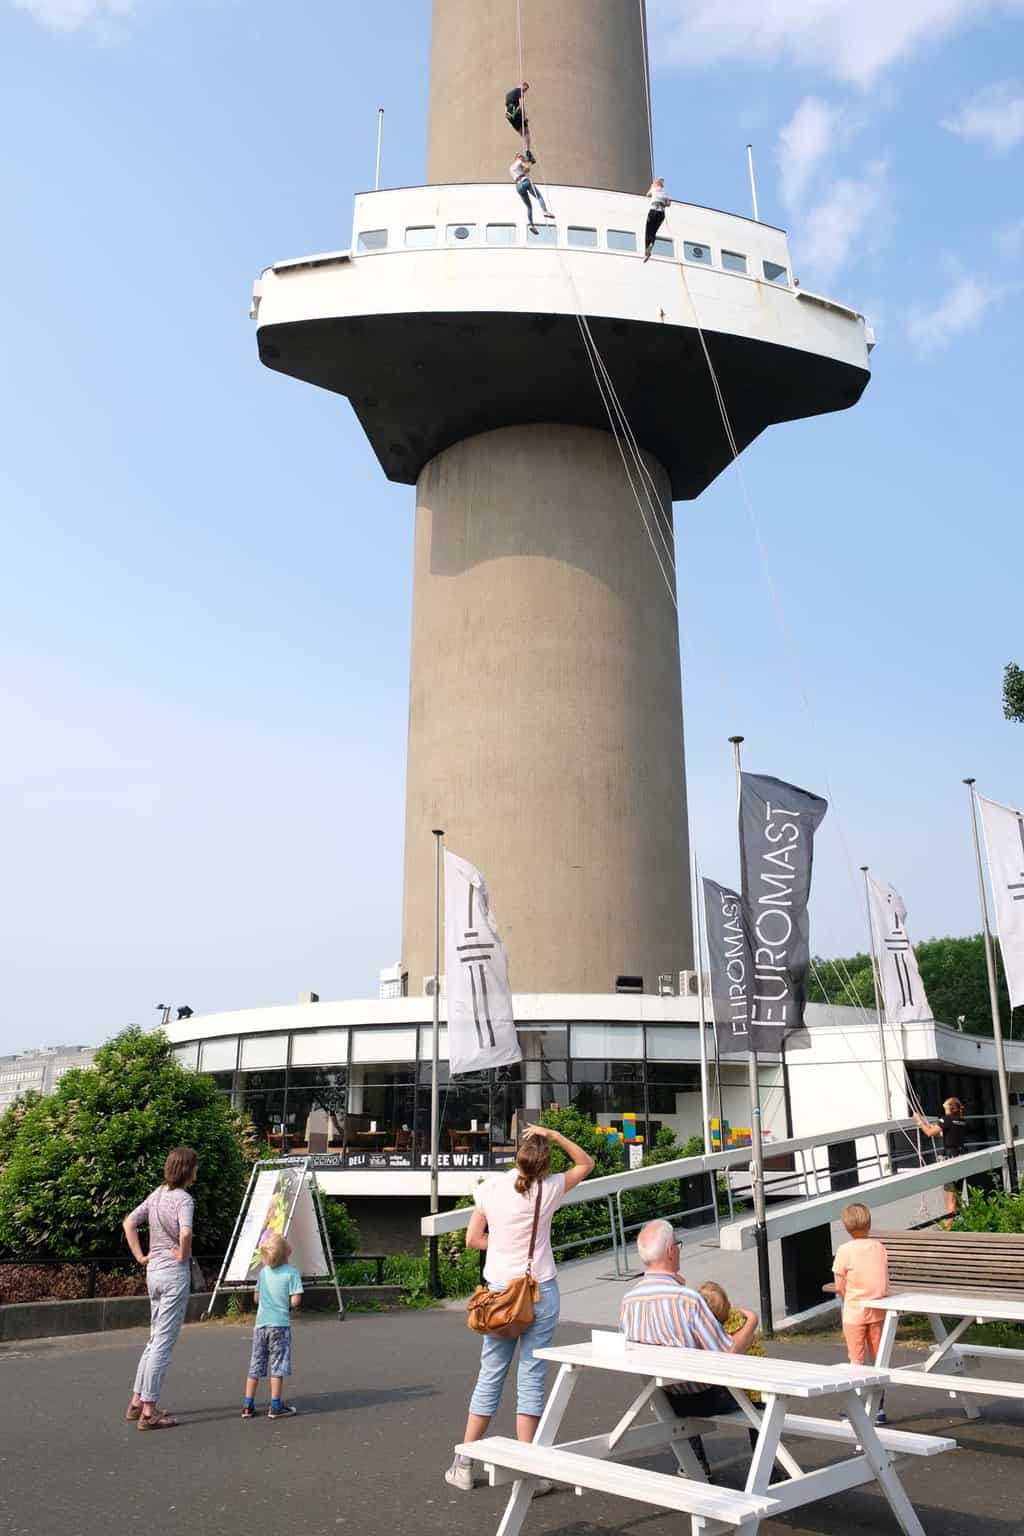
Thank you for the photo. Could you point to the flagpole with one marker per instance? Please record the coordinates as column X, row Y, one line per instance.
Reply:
column 764, row 1278
column 701, row 1015
column 876, row 968
column 435, row 1055
column 1010, row 1171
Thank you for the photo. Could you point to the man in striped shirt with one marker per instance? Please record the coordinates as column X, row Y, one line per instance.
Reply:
column 662, row 1309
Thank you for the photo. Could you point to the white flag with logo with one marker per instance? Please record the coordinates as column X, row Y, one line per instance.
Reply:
column 902, row 989
column 481, row 1030
column 1004, row 841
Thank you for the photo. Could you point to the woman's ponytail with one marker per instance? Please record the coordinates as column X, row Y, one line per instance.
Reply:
column 533, row 1161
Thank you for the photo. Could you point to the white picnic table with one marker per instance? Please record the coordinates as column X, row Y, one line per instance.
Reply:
column 948, row 1351
column 788, row 1388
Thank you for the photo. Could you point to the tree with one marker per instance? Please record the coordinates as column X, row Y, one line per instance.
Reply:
column 85, row 1156
column 10, row 1121
column 955, row 978
column 1013, row 692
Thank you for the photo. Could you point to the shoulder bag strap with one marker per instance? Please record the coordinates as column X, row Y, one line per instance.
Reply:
column 533, row 1234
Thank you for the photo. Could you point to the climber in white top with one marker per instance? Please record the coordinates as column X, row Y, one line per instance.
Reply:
column 519, row 170
column 656, row 214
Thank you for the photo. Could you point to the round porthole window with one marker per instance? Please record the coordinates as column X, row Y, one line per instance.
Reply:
column 462, row 233
column 698, row 253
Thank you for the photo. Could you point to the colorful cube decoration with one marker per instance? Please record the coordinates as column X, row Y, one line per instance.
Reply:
column 615, row 1138
column 629, row 1127
column 725, row 1136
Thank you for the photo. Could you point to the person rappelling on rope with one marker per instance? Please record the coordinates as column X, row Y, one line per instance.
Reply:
column 519, row 170
column 656, row 214
column 515, row 113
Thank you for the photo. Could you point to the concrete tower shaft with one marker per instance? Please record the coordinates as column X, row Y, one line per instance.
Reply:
column 584, row 60
column 545, row 720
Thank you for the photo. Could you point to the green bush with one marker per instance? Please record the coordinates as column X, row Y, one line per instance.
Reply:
column 10, row 1122
column 81, row 1159
column 341, row 1228
column 997, row 1212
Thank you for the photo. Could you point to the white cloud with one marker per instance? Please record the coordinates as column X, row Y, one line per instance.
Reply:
column 827, row 234
column 994, row 117
column 803, row 143
column 71, row 15
column 959, row 310
column 852, row 40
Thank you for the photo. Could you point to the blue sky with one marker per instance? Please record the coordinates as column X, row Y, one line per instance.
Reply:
column 205, row 627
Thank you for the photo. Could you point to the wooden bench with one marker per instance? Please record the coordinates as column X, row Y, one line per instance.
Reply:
column 701, row 1501
column 981, row 1263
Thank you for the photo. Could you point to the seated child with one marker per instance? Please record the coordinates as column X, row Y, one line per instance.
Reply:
column 278, row 1292
column 861, row 1268
column 732, row 1320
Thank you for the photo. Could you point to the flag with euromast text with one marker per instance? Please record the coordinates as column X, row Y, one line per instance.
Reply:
column 777, row 826
column 481, row 1029
column 729, row 964
column 1004, row 843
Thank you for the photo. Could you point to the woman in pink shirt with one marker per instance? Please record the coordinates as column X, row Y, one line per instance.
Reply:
column 501, row 1225
column 861, row 1268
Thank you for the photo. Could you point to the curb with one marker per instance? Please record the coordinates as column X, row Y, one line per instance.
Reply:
column 102, row 1314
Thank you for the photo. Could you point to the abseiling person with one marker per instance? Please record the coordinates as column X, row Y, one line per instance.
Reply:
column 501, row 1225
column 515, row 114
column 520, row 173
column 659, row 203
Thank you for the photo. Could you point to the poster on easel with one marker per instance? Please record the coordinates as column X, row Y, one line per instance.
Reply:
column 283, row 1201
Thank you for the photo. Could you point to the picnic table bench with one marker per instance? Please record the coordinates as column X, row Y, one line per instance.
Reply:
column 785, row 1386
column 974, row 1277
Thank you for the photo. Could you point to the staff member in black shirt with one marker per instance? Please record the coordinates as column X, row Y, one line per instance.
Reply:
column 515, row 114
column 952, row 1128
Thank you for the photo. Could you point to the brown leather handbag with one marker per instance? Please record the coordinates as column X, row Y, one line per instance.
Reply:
column 509, row 1312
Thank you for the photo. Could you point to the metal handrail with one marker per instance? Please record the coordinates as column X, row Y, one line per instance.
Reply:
column 679, row 1168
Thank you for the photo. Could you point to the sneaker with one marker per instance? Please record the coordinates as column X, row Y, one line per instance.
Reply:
column 460, row 1477
column 530, row 157
column 285, row 1410
column 542, row 1486
column 532, row 228
column 881, row 1417
column 647, row 253
column 248, row 1413
column 548, row 215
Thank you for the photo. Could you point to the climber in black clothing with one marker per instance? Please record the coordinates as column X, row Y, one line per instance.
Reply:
column 952, row 1128
column 516, row 115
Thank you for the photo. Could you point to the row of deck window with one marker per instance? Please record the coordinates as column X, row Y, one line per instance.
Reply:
column 425, row 236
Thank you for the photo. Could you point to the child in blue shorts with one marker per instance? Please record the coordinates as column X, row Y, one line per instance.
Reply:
column 278, row 1292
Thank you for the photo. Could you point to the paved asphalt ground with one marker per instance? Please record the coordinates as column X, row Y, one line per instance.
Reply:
column 382, row 1399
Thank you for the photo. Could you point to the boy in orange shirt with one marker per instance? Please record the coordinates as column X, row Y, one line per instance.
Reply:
column 861, row 1268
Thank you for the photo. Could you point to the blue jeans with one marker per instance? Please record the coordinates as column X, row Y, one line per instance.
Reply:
column 526, row 190
column 496, row 1358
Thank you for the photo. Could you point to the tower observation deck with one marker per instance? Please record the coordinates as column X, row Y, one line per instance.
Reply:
column 545, row 719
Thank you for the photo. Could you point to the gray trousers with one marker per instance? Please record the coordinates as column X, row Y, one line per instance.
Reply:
column 168, row 1300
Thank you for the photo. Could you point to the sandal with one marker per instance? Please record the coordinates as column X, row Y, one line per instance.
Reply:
column 133, row 1411
column 157, row 1420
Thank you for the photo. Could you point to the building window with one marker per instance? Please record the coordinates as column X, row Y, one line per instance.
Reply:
column 621, row 240
column 315, row 1112
column 381, row 1119
column 694, row 252
column 372, row 240
column 578, row 234
column 663, row 247
column 218, row 1055
column 320, row 1047
column 542, row 234
column 419, row 237
column 501, row 234
column 264, row 1051
column 459, row 234
column 187, row 1055
column 384, row 1045
column 775, row 274
column 732, row 261
column 262, row 1097
column 622, row 1042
